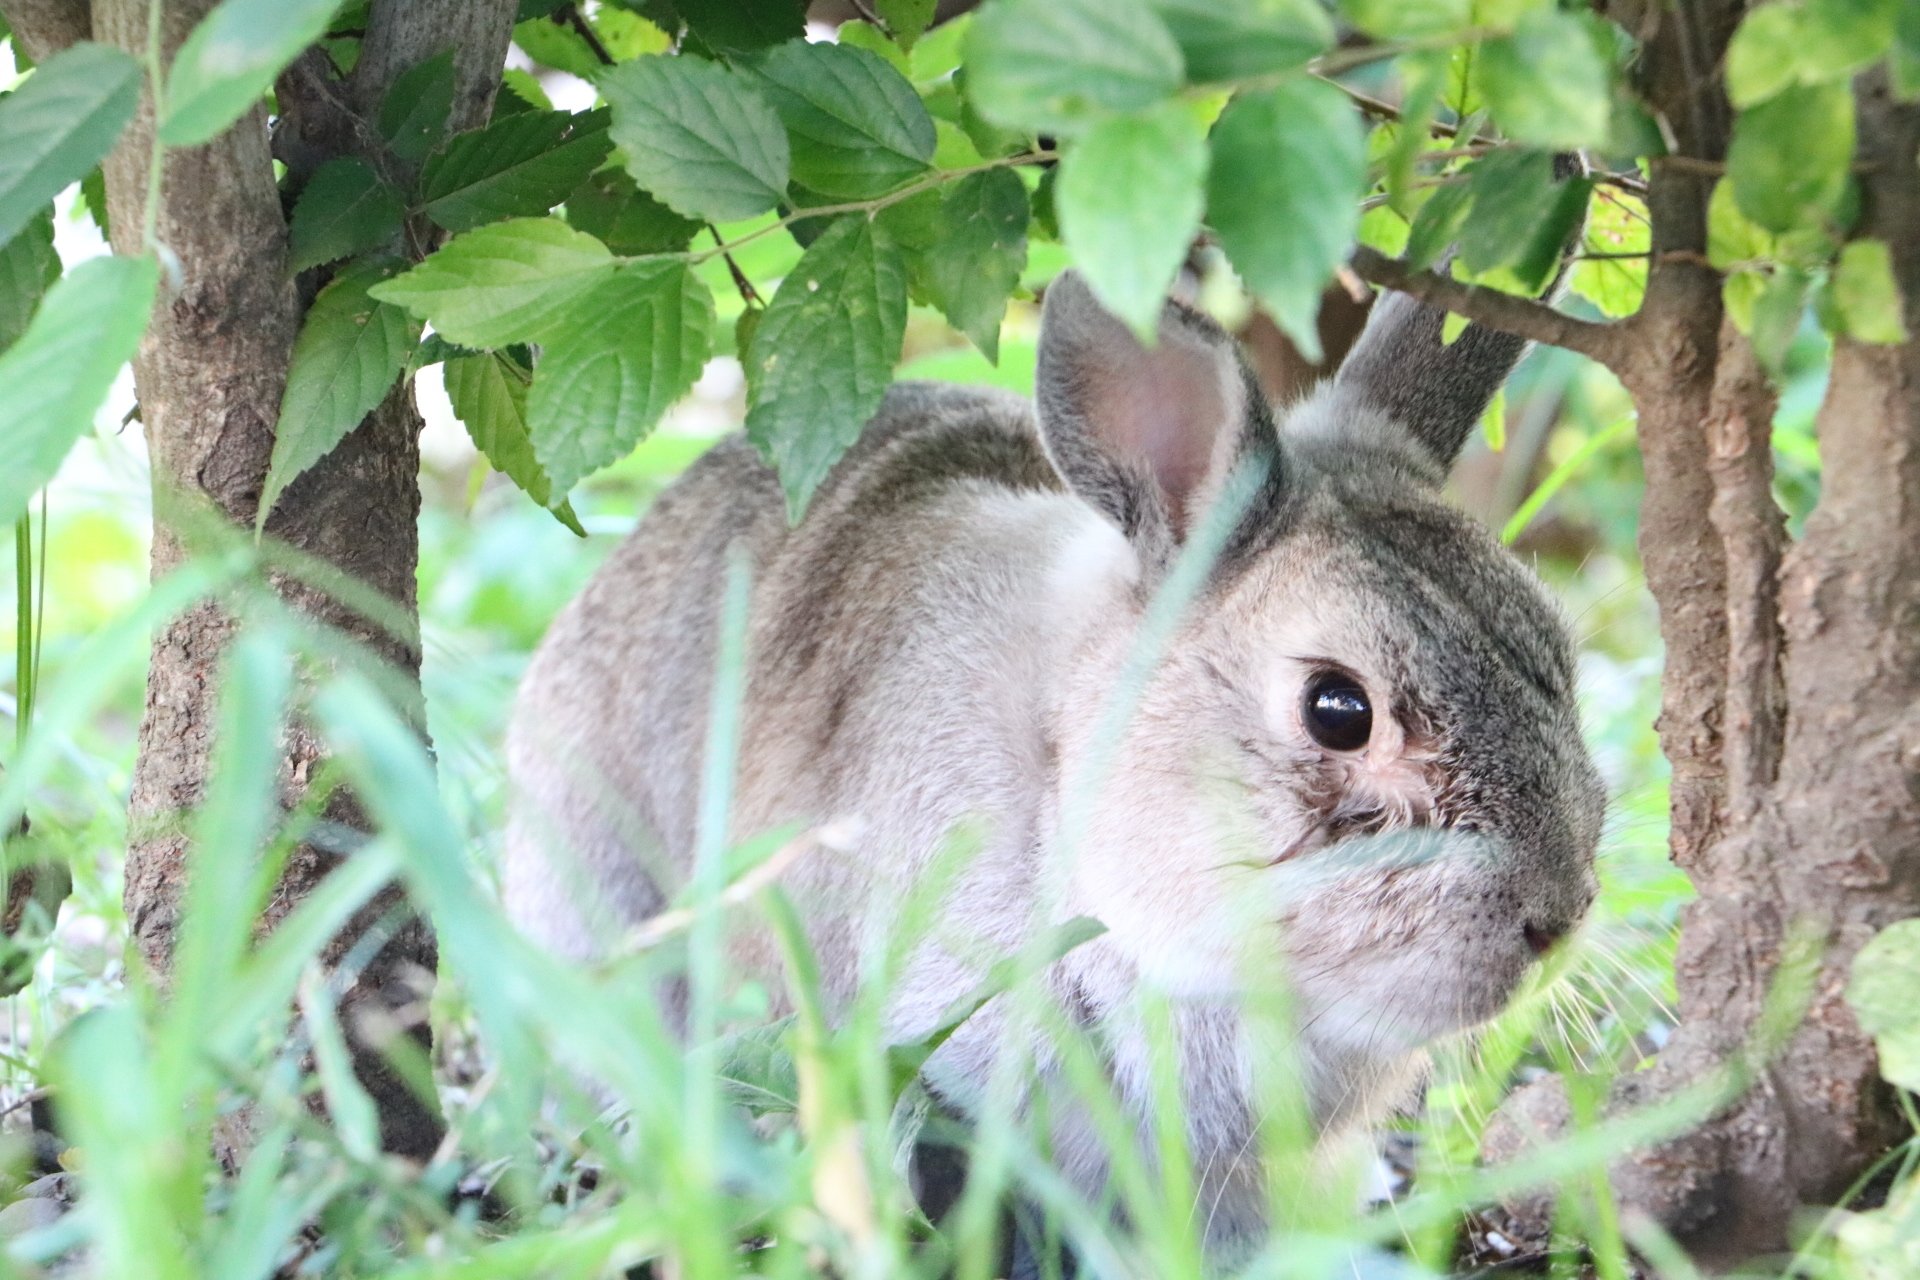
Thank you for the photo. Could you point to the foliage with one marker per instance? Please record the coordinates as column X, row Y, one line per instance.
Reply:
column 852, row 196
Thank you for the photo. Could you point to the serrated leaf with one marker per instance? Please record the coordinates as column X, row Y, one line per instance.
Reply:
column 908, row 20
column 856, row 127
column 1866, row 293
column 823, row 354
column 489, row 396
column 979, row 229
column 740, row 26
column 58, row 373
column 629, row 351
column 507, row 282
column 699, row 137
column 518, row 167
column 345, row 209
column 418, row 104
column 1247, row 38
column 59, row 124
column 28, row 268
column 1289, row 164
column 1522, row 216
column 1547, row 84
column 1790, row 156
column 610, row 207
column 1055, row 66
column 1617, row 224
column 351, row 350
column 1885, row 976
column 228, row 62
column 1129, row 200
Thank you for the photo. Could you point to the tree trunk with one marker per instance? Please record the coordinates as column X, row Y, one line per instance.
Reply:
column 209, row 379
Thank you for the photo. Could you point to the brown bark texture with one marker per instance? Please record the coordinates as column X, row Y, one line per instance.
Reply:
column 209, row 378
column 1791, row 697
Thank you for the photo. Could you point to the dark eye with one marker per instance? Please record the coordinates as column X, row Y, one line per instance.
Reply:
column 1337, row 712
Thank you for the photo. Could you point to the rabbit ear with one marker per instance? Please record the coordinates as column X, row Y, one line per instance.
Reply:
column 1145, row 435
column 1432, row 391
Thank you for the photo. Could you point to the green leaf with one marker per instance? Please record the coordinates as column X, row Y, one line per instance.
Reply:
column 1409, row 19
column 740, row 26
column 1903, row 64
column 1547, row 84
column 508, row 282
column 28, row 268
column 520, row 166
column 699, row 137
column 555, row 44
column 59, row 372
column 823, row 354
column 1790, row 156
column 907, row 20
column 1616, row 224
column 1866, row 293
column 350, row 351
column 1774, row 318
column 609, row 206
column 1886, row 974
column 345, row 209
column 1733, row 239
column 1240, row 39
column 1055, row 66
column 1437, row 223
column 861, row 34
column 1522, row 216
column 1289, row 164
column 229, row 60
column 59, row 124
column 1763, row 56
column 489, row 396
column 620, row 360
column 856, row 127
column 415, row 111
column 979, row 250
column 1129, row 202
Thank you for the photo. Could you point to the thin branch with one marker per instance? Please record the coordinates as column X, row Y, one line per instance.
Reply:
column 742, row 285
column 45, row 27
column 1522, row 317
column 572, row 16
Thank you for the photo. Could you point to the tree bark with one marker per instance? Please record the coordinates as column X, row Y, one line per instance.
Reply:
column 209, row 379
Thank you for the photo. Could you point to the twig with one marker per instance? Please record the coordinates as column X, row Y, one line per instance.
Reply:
column 1522, row 317
column 572, row 16
column 744, row 286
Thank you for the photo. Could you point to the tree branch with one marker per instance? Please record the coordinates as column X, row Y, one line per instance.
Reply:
column 45, row 27
column 1521, row 317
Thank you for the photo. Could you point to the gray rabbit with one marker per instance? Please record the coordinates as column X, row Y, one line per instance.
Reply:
column 1356, row 762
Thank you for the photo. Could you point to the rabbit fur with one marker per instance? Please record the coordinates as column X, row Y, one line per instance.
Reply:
column 932, row 648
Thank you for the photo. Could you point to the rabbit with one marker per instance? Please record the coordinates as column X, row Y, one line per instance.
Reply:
column 1356, row 764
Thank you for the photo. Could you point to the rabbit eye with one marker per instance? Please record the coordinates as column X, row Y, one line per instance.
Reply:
column 1337, row 713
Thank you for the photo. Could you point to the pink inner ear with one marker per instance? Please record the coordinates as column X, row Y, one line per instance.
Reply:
column 1166, row 410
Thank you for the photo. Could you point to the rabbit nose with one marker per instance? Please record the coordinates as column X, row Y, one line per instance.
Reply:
column 1542, row 934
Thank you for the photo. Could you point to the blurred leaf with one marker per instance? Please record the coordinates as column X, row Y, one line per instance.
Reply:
column 1223, row 40
column 417, row 107
column 355, row 1121
column 1903, row 66
column 1733, row 238
column 555, row 44
column 739, row 26
column 59, row 124
column 1129, row 201
column 1739, row 294
column 1493, row 423
column 521, row 166
column 350, row 352
column 1763, row 56
column 1839, row 37
column 507, row 282
column 627, row 35
column 1436, row 226
column 619, row 360
column 980, row 246
column 1790, row 155
column 345, row 209
column 58, row 373
column 823, row 353
column 612, row 208
column 489, row 396
column 1522, row 216
column 757, row 1071
column 1886, row 973
column 1866, row 294
column 1288, row 167
column 1616, row 224
column 1409, row 19
column 229, row 60
column 1775, row 318
column 1547, row 84
column 1056, row 65
column 28, row 267
column 908, row 20
column 856, row 127
column 699, row 137
column 861, row 34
